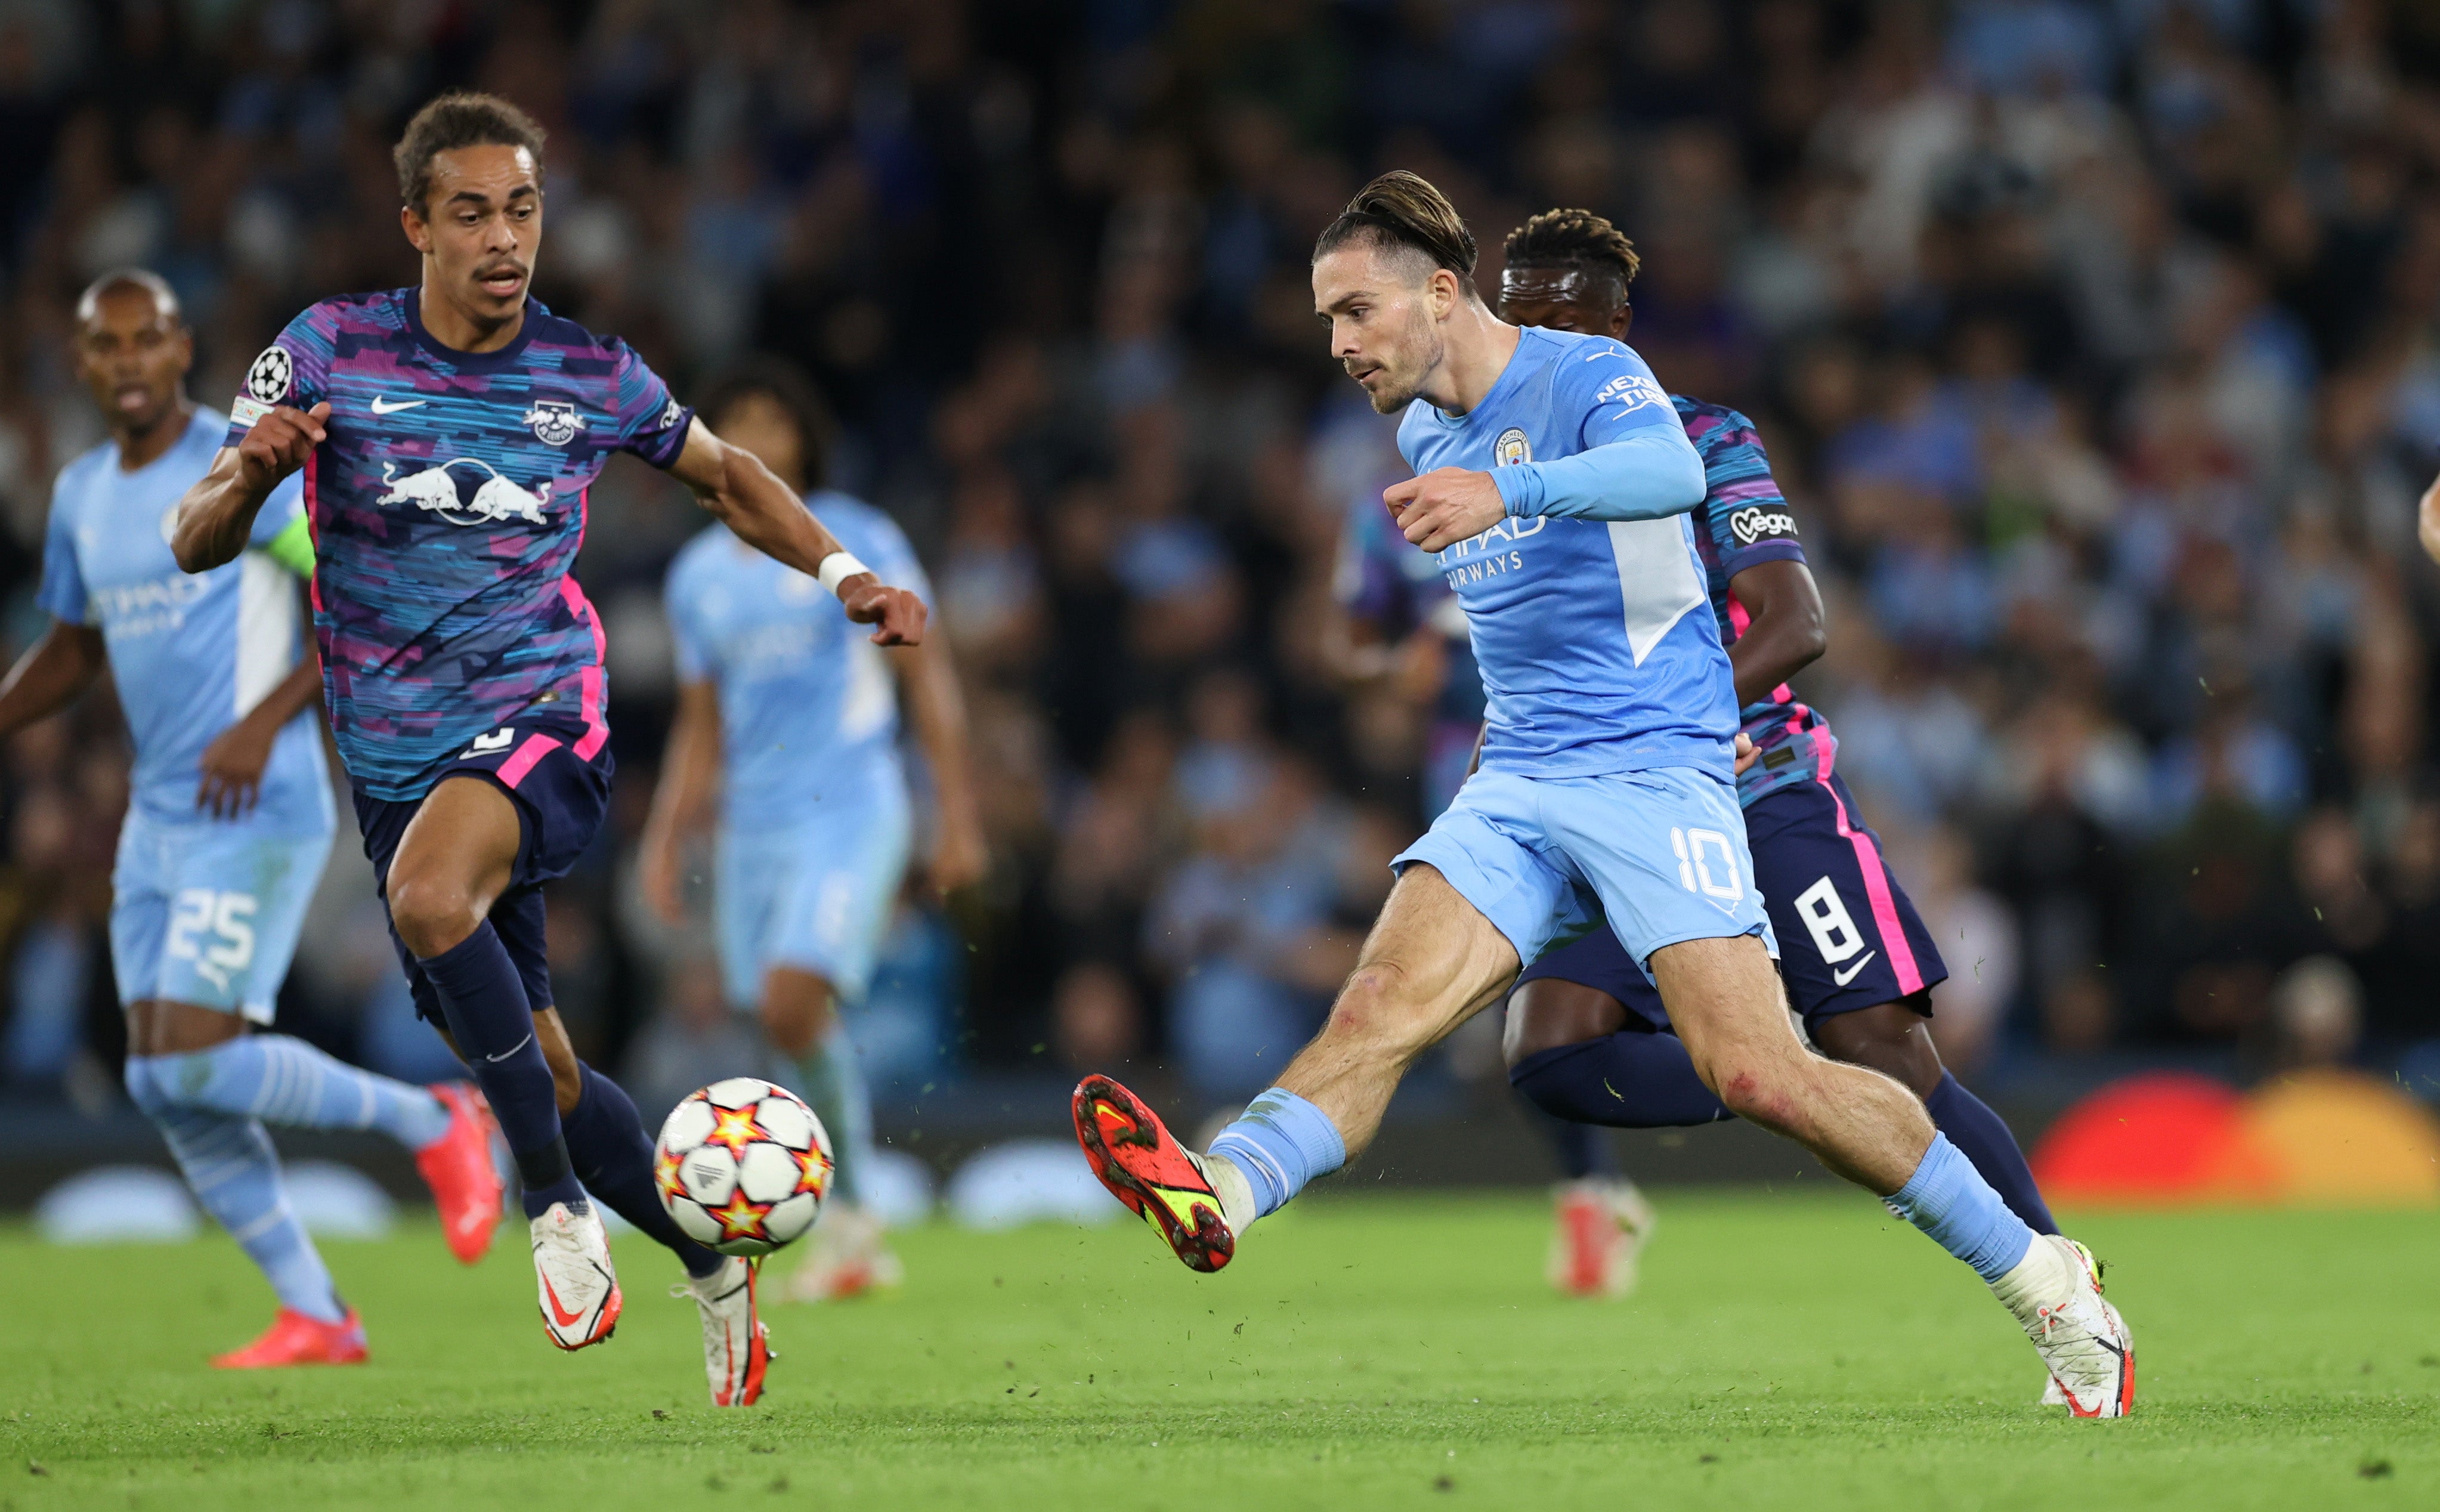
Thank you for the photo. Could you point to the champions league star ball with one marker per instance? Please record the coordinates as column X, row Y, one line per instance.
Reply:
column 742, row 1166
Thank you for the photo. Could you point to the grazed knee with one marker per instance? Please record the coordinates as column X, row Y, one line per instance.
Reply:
column 1760, row 1092
column 1379, row 1007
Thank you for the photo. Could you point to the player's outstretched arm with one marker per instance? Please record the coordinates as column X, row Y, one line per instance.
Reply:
column 1785, row 634
column 767, row 514
column 229, row 776
column 690, row 767
column 50, row 674
column 936, row 705
column 1648, row 476
column 216, row 516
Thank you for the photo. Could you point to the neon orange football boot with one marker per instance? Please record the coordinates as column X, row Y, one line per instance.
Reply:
column 457, row 1166
column 294, row 1339
column 1160, row 1179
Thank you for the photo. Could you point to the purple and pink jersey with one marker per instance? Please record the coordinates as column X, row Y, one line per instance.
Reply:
column 447, row 507
column 1744, row 520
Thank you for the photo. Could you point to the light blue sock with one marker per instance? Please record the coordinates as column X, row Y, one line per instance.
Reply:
column 1949, row 1199
column 1281, row 1142
column 289, row 1082
column 833, row 1089
column 234, row 1172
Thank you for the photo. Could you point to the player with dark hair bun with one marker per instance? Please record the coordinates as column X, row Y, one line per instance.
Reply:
column 1580, row 1040
column 1403, row 209
column 1555, row 478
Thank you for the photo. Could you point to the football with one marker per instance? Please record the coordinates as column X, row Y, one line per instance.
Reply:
column 742, row 1166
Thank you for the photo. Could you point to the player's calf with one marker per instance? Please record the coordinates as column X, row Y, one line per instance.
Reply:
column 1894, row 1039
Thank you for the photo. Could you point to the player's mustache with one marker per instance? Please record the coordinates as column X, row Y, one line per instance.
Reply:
column 507, row 266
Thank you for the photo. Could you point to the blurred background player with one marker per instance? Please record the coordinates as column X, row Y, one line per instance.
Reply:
column 1396, row 624
column 228, row 824
column 452, row 428
column 1551, row 479
column 794, row 720
column 1586, row 1037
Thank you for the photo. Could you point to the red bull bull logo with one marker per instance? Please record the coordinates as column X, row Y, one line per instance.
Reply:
column 496, row 499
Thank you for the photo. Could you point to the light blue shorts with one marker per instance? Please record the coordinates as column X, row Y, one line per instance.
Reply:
column 814, row 896
column 209, row 913
column 1660, row 853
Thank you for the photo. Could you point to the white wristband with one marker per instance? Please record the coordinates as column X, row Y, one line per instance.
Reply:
column 837, row 569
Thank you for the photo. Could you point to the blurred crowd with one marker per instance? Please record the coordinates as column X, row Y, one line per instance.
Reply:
column 2092, row 341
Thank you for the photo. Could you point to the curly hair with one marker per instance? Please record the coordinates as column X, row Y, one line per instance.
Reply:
column 1571, row 238
column 463, row 119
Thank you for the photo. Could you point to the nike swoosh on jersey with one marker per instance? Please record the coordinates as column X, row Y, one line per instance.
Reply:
column 1843, row 977
column 382, row 407
column 529, row 1039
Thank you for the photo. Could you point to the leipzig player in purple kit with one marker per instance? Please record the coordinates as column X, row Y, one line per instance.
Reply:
column 1586, row 1037
column 447, row 434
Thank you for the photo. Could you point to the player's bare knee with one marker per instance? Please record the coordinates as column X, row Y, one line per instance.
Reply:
column 431, row 916
column 1375, row 1006
column 1763, row 1090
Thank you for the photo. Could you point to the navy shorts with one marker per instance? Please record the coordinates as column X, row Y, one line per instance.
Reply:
column 1849, row 936
column 560, row 798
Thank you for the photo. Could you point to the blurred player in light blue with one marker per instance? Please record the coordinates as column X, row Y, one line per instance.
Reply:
column 228, row 824
column 792, row 715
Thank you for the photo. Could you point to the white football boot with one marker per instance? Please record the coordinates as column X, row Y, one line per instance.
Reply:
column 736, row 1346
column 579, row 1289
column 2055, row 1294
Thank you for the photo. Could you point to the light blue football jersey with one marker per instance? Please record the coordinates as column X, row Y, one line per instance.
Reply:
column 808, row 710
column 1597, row 650
column 190, row 653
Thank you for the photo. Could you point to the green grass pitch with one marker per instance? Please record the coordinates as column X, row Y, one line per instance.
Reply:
column 1789, row 1351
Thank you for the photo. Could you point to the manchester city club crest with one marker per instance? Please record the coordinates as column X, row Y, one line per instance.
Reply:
column 554, row 423
column 267, row 380
column 1510, row 448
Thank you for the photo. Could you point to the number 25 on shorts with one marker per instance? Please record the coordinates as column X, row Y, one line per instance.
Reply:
column 227, row 916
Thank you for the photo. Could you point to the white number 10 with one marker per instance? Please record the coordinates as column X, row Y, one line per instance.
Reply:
column 1694, row 866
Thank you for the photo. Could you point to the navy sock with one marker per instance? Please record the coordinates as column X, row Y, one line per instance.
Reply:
column 1626, row 1080
column 614, row 1160
column 1581, row 1151
column 484, row 1001
column 1982, row 1136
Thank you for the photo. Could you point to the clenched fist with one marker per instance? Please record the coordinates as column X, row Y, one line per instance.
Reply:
column 1445, row 505
column 898, row 615
column 280, row 443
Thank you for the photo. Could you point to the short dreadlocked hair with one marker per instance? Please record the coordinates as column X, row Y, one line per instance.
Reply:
column 1402, row 211
column 1574, row 239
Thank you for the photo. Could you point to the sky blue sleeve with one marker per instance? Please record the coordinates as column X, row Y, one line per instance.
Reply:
column 1637, row 464
column 61, row 594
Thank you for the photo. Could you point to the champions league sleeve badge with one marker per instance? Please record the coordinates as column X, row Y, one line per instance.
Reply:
column 554, row 423
column 266, row 382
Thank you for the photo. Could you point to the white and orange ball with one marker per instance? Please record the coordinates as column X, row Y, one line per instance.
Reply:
column 742, row 1166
